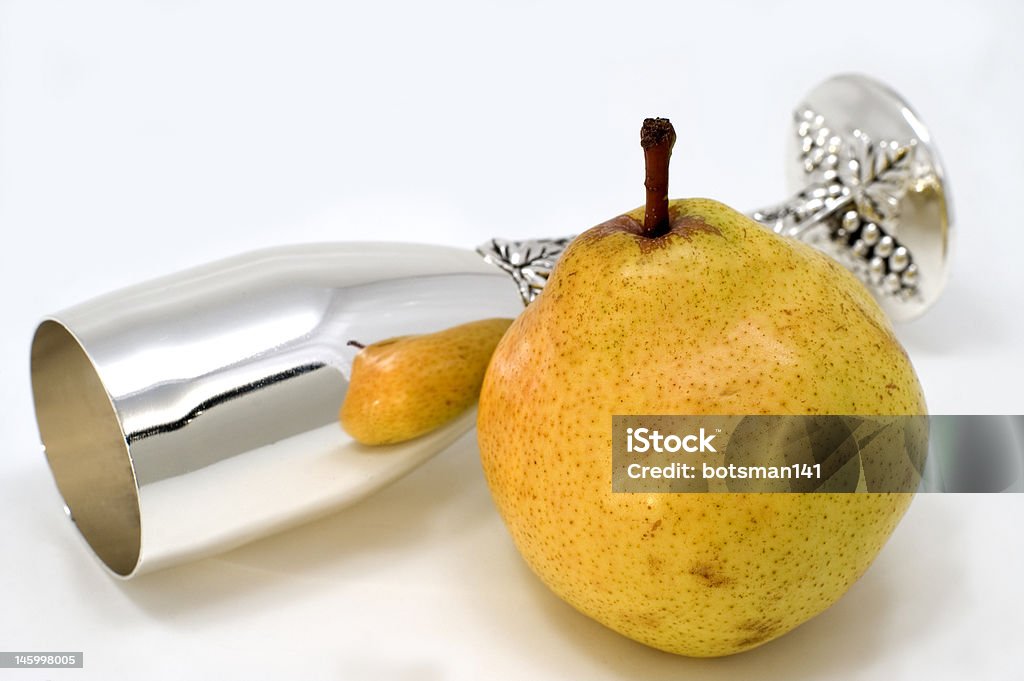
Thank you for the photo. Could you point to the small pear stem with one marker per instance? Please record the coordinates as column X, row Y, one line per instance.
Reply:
column 657, row 137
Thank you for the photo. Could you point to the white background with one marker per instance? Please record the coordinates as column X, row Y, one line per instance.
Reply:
column 139, row 138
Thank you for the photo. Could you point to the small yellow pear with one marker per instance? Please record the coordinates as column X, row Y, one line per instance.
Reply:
column 405, row 387
column 687, row 307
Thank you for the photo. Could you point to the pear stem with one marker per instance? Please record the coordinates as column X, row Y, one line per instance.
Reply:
column 657, row 137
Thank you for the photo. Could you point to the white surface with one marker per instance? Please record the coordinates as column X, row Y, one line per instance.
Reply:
column 138, row 138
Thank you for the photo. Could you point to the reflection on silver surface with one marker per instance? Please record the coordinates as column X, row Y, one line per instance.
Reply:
column 193, row 413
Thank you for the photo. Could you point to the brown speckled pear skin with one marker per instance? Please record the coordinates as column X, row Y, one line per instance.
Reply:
column 405, row 387
column 719, row 316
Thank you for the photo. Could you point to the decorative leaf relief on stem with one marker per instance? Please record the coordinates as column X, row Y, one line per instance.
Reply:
column 877, row 174
column 854, row 188
column 529, row 262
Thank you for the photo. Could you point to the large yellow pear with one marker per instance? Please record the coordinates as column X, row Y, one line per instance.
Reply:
column 714, row 314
